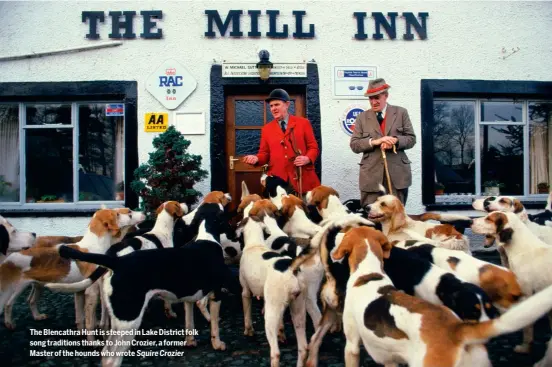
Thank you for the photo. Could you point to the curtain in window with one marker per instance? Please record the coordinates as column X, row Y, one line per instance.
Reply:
column 540, row 152
column 9, row 152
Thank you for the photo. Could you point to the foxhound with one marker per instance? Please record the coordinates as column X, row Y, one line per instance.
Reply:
column 498, row 282
column 160, row 236
column 395, row 327
column 529, row 257
column 276, row 278
column 44, row 265
column 438, row 286
column 389, row 211
column 332, row 294
column 12, row 240
column 513, row 205
column 140, row 275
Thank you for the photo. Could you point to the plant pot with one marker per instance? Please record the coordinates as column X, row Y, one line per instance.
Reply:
column 439, row 192
column 492, row 191
column 51, row 201
column 543, row 190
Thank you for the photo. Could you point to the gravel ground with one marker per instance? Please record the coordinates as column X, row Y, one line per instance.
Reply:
column 15, row 346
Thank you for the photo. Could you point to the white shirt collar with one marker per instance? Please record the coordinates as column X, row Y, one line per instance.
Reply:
column 384, row 111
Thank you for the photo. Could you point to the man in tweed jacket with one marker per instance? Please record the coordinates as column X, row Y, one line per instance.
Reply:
column 383, row 127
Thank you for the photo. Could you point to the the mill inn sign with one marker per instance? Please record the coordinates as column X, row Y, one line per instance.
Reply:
column 122, row 24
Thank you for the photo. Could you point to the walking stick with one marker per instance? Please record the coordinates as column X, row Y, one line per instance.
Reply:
column 387, row 169
column 300, row 179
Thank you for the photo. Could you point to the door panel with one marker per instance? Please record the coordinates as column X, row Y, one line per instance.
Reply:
column 245, row 117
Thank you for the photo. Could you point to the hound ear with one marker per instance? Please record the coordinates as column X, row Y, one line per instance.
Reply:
column 111, row 224
column 505, row 235
column 179, row 211
column 245, row 190
column 344, row 248
column 386, row 246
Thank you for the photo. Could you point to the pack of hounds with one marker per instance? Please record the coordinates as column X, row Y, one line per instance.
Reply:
column 406, row 287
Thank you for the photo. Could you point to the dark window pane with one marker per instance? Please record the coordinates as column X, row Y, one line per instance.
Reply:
column 540, row 140
column 247, row 141
column 46, row 114
column 502, row 158
column 501, row 111
column 101, row 165
column 249, row 113
column 9, row 153
column 291, row 110
column 49, row 165
column 454, row 146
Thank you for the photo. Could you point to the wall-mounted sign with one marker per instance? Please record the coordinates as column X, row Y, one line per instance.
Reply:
column 249, row 70
column 171, row 84
column 114, row 109
column 350, row 82
column 237, row 24
column 347, row 121
column 156, row 122
column 190, row 122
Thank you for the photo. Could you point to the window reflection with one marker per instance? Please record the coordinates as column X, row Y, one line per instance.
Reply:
column 502, row 158
column 454, row 139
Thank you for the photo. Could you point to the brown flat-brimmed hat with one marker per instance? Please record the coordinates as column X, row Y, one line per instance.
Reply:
column 376, row 87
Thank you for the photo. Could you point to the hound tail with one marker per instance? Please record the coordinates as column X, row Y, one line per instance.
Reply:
column 350, row 220
column 441, row 217
column 78, row 286
column 517, row 317
column 106, row 261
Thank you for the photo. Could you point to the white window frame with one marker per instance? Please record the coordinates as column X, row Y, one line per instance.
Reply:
column 23, row 127
column 527, row 197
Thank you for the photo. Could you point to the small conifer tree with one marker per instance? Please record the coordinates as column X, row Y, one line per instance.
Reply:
column 170, row 173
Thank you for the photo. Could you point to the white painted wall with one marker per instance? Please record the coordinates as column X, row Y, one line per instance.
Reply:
column 465, row 41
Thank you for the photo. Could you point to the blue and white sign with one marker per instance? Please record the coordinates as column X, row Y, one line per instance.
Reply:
column 348, row 119
column 171, row 84
column 350, row 82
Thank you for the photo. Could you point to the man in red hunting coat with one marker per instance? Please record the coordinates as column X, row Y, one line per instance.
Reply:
column 287, row 145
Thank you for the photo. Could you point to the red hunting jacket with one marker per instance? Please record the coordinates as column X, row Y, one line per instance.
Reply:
column 277, row 149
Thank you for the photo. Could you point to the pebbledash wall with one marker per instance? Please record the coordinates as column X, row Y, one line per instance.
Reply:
column 489, row 41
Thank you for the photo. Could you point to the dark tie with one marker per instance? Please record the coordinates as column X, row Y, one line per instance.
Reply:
column 379, row 116
column 283, row 125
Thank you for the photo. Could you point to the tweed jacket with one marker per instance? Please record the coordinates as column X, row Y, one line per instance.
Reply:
column 397, row 124
column 277, row 149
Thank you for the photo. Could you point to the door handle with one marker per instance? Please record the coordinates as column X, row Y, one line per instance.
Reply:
column 232, row 160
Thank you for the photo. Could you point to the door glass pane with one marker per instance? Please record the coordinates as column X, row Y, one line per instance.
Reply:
column 9, row 153
column 101, row 165
column 501, row 111
column 291, row 110
column 502, row 159
column 454, row 147
column 540, row 140
column 249, row 113
column 247, row 141
column 49, row 114
column 49, row 165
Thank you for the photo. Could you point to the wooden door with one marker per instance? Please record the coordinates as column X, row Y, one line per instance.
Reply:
column 245, row 117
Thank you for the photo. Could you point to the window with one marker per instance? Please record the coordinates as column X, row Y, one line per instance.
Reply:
column 65, row 155
column 485, row 144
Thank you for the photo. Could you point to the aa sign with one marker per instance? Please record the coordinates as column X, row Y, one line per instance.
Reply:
column 155, row 122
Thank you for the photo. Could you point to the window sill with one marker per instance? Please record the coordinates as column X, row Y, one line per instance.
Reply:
column 54, row 210
column 449, row 207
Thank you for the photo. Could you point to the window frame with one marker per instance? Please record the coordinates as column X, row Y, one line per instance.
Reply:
column 75, row 93
column 478, row 91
